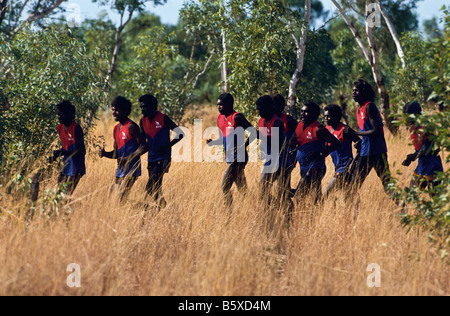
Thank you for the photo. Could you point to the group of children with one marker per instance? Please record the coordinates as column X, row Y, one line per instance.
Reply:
column 307, row 143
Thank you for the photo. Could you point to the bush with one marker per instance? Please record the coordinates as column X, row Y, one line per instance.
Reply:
column 41, row 69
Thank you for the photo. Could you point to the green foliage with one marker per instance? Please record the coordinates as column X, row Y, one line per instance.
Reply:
column 433, row 204
column 412, row 82
column 262, row 55
column 159, row 69
column 37, row 79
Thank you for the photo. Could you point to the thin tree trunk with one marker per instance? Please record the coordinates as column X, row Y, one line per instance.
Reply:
column 113, row 61
column 384, row 96
column 223, row 66
column 118, row 41
column 223, row 69
column 393, row 32
column 373, row 60
column 354, row 31
column 300, row 44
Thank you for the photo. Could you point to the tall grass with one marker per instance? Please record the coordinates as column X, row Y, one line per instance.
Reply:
column 192, row 247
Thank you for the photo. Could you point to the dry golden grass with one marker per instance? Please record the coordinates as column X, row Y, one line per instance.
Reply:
column 190, row 247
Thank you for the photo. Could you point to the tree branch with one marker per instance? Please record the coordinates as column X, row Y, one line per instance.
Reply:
column 394, row 34
column 300, row 60
column 354, row 32
column 3, row 7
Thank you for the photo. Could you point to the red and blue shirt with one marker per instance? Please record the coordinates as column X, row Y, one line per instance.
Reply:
column 266, row 129
column 158, row 138
column 342, row 156
column 430, row 162
column 375, row 144
column 308, row 142
column 74, row 164
column 127, row 145
column 227, row 126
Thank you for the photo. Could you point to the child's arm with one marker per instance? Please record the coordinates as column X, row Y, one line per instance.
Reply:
column 174, row 127
column 324, row 135
column 109, row 154
column 373, row 113
column 79, row 139
column 350, row 134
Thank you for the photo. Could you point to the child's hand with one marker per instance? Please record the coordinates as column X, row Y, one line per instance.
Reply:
column 409, row 159
column 406, row 162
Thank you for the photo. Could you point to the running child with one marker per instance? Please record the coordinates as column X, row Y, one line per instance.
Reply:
column 229, row 122
column 315, row 143
column 290, row 125
column 343, row 156
column 127, row 142
column 155, row 129
column 429, row 160
column 269, row 125
column 373, row 153
column 73, row 149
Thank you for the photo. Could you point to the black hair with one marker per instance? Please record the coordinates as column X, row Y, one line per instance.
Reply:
column 67, row 108
column 226, row 98
column 365, row 89
column 122, row 104
column 412, row 108
column 279, row 102
column 265, row 102
column 314, row 109
column 334, row 110
column 149, row 99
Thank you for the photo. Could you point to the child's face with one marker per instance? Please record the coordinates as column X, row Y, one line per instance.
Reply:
column 223, row 108
column 330, row 119
column 147, row 110
column 117, row 114
column 357, row 96
column 264, row 112
column 64, row 118
column 306, row 116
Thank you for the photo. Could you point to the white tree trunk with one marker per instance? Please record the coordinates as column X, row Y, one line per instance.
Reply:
column 373, row 60
column 384, row 95
column 354, row 31
column 224, row 71
column 393, row 32
column 300, row 44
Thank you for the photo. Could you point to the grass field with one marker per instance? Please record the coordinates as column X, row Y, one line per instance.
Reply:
column 191, row 248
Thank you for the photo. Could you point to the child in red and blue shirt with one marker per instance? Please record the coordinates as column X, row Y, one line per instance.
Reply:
column 429, row 160
column 127, row 145
column 155, row 129
column 343, row 156
column 73, row 149
column 315, row 143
